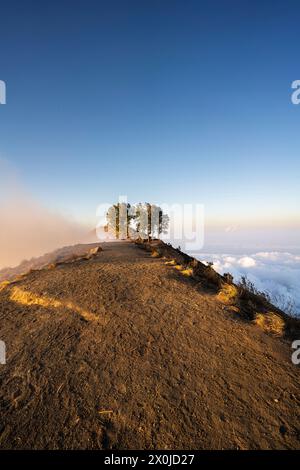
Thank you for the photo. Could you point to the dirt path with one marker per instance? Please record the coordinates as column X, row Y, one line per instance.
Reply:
column 123, row 351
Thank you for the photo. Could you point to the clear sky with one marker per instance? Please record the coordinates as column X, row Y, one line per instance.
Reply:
column 165, row 101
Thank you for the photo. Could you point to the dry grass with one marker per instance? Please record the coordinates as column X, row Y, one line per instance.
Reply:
column 187, row 272
column 270, row 322
column 228, row 294
column 179, row 267
column 3, row 285
column 171, row 263
column 155, row 254
column 23, row 297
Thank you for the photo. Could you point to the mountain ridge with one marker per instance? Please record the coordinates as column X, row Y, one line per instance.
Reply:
column 126, row 349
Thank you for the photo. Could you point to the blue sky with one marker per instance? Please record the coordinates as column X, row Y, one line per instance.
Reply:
column 165, row 101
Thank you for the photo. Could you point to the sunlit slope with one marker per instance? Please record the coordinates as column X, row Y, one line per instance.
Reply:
column 121, row 350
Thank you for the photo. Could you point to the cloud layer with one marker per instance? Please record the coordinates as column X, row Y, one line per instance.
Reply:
column 277, row 273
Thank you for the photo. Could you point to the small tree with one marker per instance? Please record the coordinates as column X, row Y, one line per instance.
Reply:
column 118, row 218
column 150, row 220
column 143, row 220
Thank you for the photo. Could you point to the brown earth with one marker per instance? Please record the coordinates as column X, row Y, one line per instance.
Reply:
column 124, row 352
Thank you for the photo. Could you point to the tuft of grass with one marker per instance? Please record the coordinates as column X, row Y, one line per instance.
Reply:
column 179, row 267
column 187, row 272
column 270, row 322
column 3, row 285
column 171, row 263
column 228, row 294
column 248, row 292
column 155, row 254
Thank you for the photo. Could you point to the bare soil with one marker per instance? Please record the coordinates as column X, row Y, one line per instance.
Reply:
column 124, row 352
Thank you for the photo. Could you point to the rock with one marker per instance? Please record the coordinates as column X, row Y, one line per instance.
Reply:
column 94, row 251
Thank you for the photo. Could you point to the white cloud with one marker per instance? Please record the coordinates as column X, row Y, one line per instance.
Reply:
column 247, row 262
column 277, row 273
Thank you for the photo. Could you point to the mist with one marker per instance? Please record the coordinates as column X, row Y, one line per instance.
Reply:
column 27, row 229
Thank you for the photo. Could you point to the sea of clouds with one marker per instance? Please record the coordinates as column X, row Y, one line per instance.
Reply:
column 277, row 273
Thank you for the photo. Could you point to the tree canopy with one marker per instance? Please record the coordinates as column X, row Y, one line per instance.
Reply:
column 142, row 220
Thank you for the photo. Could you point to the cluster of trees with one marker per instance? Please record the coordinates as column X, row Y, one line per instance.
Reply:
column 143, row 220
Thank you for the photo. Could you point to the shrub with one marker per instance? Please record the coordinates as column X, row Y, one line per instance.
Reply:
column 228, row 294
column 270, row 322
